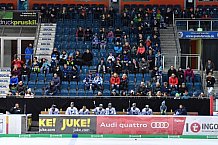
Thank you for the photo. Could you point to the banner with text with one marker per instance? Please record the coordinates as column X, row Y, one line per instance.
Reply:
column 194, row 35
column 67, row 124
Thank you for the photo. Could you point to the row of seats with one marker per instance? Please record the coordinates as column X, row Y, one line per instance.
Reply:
column 7, row 6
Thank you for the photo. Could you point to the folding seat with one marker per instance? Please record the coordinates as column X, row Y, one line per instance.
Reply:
column 65, row 85
column 50, row 6
column 147, row 77
column 89, row 93
column 80, row 93
column 31, row 85
column 44, row 5
column 106, row 85
column 106, row 77
column 139, row 77
column 57, row 6
column 198, row 86
column 64, row 92
column 73, row 85
column 106, row 93
column 133, row 6
column 80, row 85
column 197, row 78
column 85, row 69
column 38, row 92
column 72, row 92
column 131, row 78
column 131, row 86
column 39, row 85
column 65, row 5
column 41, row 77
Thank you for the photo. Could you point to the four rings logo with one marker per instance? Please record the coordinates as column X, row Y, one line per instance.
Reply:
column 160, row 125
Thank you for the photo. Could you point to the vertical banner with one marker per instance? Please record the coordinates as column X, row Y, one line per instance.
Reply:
column 3, row 126
column 5, row 74
column 67, row 124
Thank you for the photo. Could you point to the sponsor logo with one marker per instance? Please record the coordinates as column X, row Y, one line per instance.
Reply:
column 179, row 120
column 160, row 125
column 195, row 127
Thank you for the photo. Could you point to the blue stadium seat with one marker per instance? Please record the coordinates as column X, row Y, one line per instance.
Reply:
column 106, row 85
column 72, row 93
column 38, row 92
column 81, row 93
column 106, row 93
column 65, row 85
column 41, row 77
column 39, row 85
column 64, row 92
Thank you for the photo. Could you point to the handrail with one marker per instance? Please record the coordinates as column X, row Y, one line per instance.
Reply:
column 37, row 36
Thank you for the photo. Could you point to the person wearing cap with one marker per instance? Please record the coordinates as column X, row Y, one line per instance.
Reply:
column 99, row 110
column 163, row 108
column 71, row 110
column 110, row 110
column 53, row 110
column 28, row 54
column 84, row 111
column 147, row 110
column 133, row 110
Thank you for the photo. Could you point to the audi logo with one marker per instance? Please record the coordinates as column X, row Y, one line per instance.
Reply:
column 159, row 125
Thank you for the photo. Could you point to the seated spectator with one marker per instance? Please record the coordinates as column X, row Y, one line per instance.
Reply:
column 135, row 66
column 78, row 58
column 110, row 66
column 210, row 80
column 133, row 110
column 65, row 73
column 144, row 66
column 80, row 34
column 126, row 47
column 21, row 88
column 124, row 83
column 70, row 60
column 118, row 48
column 87, row 58
column 141, row 90
column 35, row 65
column 18, row 62
column 88, row 34
column 25, row 73
column 28, row 93
column 181, row 110
column 157, row 88
column 16, row 71
column 173, row 81
column 110, row 110
column 101, row 67
column 103, row 41
column 74, row 74
column 147, row 110
column 125, row 57
column 141, row 51
column 189, row 75
column 118, row 67
column 88, row 80
column 180, row 74
column 57, row 81
column 63, row 58
column 209, row 67
column 110, row 36
column 171, row 71
column 95, row 41
column 13, row 82
column 97, row 82
column 111, row 57
column 84, row 111
column 182, row 89
column 53, row 110
column 165, row 88
column 99, row 110
column 55, row 56
column 51, row 89
column 45, row 66
column 156, row 75
column 115, row 81
column 185, row 95
column 58, row 71
column 127, row 67
column 118, row 35
column 16, row 109
column 151, row 59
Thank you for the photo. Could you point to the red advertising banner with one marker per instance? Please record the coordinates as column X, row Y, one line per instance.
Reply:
column 140, row 125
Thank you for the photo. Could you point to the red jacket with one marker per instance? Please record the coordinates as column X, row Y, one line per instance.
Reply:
column 19, row 63
column 141, row 50
column 114, row 80
column 173, row 81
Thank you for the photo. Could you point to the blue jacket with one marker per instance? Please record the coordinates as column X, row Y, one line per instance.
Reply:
column 28, row 52
column 14, row 80
column 118, row 49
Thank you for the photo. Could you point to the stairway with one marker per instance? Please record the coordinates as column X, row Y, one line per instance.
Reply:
column 45, row 43
column 168, row 46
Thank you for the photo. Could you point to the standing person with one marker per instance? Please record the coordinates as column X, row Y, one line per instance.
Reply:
column 110, row 110
column 210, row 83
column 133, row 110
column 171, row 71
column 189, row 75
column 147, row 110
column 53, row 110
column 99, row 110
column 84, row 111
column 71, row 110
column 163, row 108
column 181, row 110
column 16, row 109
column 28, row 54
column 209, row 67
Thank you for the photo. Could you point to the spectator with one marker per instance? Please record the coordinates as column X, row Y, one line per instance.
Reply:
column 135, row 66
column 99, row 110
column 84, row 111
column 110, row 110
column 74, row 74
column 97, row 82
column 118, row 67
column 156, row 75
column 158, row 59
column 173, row 81
column 181, row 110
column 141, row 90
column 124, row 83
column 45, row 66
column 58, row 71
column 16, row 71
column 57, row 81
column 111, row 57
column 63, row 58
column 185, row 95
column 28, row 54
column 133, row 110
column 141, row 51
column 126, row 47
column 147, row 110
column 88, row 34
column 101, row 67
column 103, row 41
column 182, row 89
column 115, row 81
column 189, row 75
column 163, row 108
column 180, row 74
column 13, row 82
column 80, row 34
column 71, row 110
column 28, row 94
column 16, row 109
column 78, row 58
column 87, row 58
column 171, row 71
column 157, row 88
column 165, row 88
column 53, row 110
column 210, row 83
column 21, row 88
column 25, row 73
column 55, row 56
column 118, row 48
column 17, row 62
column 88, row 82
column 151, row 59
column 51, row 89
column 110, row 66
column 95, row 41
column 35, row 65
column 209, row 67
column 144, row 66
column 118, row 34
column 65, row 73
column 110, row 36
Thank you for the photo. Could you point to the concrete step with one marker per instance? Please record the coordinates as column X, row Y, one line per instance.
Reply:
column 45, row 41
column 44, row 49
column 51, row 34
column 48, row 24
column 45, row 45
column 46, row 38
column 48, row 29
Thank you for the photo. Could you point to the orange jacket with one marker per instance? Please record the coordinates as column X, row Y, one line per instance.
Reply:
column 141, row 50
column 173, row 81
column 114, row 80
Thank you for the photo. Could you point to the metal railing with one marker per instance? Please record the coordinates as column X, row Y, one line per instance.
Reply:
column 194, row 24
